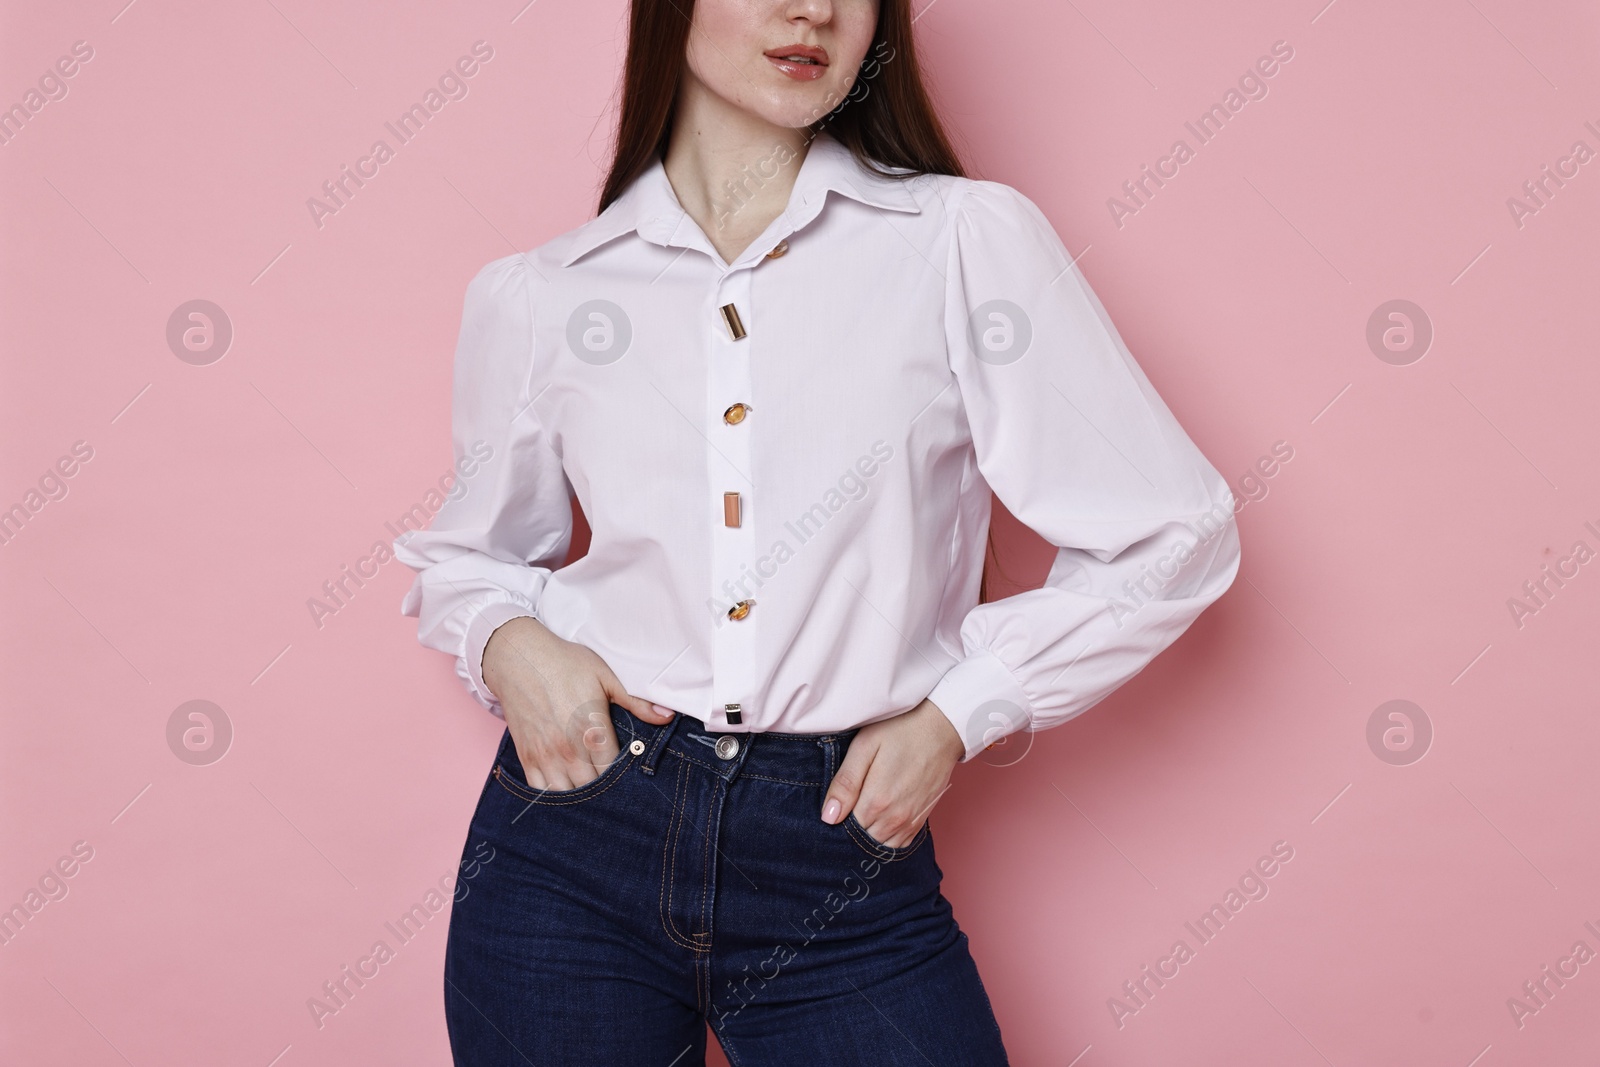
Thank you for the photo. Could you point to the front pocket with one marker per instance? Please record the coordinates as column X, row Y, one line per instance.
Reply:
column 877, row 849
column 508, row 772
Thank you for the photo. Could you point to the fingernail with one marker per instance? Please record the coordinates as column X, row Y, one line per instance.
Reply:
column 662, row 711
column 830, row 811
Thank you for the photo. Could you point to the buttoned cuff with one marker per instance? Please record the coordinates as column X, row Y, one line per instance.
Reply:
column 488, row 619
column 982, row 699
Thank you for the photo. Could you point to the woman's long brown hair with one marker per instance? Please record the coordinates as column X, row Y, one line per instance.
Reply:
column 886, row 120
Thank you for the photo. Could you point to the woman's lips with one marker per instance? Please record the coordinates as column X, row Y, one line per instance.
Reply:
column 793, row 62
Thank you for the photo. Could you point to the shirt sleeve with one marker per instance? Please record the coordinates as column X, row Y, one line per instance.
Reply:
column 507, row 523
column 1074, row 440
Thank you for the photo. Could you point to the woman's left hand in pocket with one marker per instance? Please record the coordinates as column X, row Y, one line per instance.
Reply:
column 894, row 772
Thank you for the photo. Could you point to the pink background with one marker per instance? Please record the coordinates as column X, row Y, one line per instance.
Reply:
column 1377, row 566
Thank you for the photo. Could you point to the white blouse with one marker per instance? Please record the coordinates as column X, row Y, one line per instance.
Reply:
column 786, row 462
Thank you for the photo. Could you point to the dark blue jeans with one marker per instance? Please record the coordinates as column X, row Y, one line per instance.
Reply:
column 610, row 922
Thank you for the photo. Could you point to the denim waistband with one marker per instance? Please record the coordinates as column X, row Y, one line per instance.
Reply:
column 798, row 758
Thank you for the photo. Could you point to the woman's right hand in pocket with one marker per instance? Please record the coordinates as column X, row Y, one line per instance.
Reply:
column 556, row 696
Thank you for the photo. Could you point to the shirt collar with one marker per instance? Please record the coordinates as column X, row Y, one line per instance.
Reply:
column 649, row 207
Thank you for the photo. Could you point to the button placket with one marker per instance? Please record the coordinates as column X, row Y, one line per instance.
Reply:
column 732, row 329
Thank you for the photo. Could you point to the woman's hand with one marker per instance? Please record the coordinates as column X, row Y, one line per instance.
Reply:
column 894, row 772
column 556, row 696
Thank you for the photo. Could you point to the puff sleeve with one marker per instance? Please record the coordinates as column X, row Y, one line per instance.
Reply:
column 1074, row 440
column 507, row 522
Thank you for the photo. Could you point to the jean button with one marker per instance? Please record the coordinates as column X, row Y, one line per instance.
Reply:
column 727, row 746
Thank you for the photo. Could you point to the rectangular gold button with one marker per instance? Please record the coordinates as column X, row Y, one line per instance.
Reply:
column 730, row 509
column 730, row 315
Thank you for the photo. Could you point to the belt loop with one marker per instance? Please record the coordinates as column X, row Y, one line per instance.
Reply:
column 663, row 735
column 827, row 745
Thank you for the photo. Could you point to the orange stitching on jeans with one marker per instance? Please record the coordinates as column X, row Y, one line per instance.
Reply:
column 705, row 879
column 882, row 852
column 669, row 871
column 528, row 793
column 782, row 781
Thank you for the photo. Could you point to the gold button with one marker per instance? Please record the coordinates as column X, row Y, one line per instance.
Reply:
column 741, row 609
column 730, row 509
column 735, row 414
column 782, row 247
column 636, row 747
column 730, row 316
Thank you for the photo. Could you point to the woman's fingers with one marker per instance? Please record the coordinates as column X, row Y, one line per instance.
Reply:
column 845, row 789
column 639, row 706
column 893, row 774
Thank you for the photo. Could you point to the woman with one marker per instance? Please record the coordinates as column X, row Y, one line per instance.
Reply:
column 781, row 371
